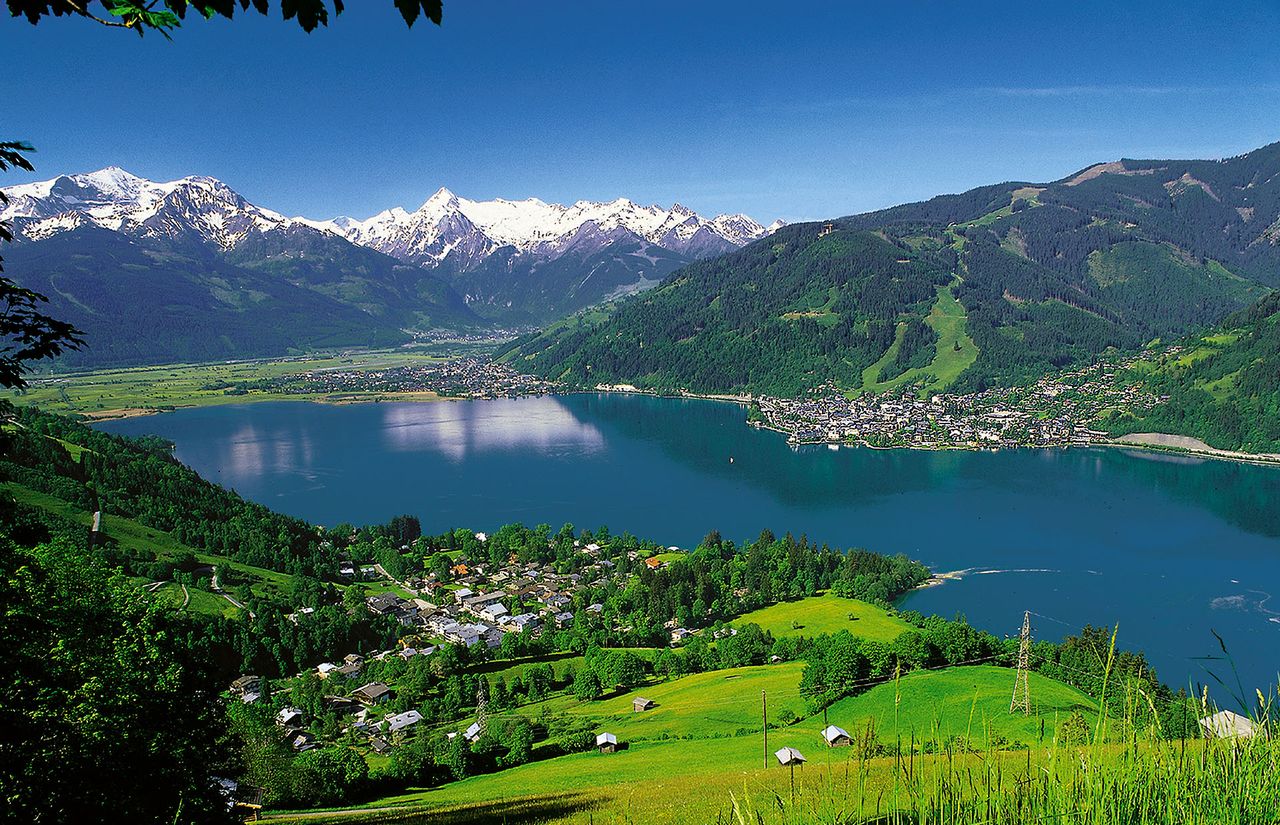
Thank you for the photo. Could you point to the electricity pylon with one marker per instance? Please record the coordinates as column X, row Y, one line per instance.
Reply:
column 1021, row 684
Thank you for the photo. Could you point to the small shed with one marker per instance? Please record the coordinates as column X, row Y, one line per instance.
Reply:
column 379, row 745
column 641, row 704
column 836, row 736
column 1228, row 725
column 606, row 743
column 790, row 757
column 472, row 733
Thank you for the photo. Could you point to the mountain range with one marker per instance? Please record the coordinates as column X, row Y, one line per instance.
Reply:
column 104, row 246
column 991, row 287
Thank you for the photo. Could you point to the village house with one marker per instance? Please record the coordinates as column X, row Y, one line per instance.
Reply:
column 247, row 688
column 401, row 721
column 301, row 740
column 289, row 717
column 341, row 705
column 520, row 623
column 374, row 693
column 494, row 612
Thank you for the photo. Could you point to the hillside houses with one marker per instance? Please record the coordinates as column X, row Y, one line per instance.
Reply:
column 1056, row 411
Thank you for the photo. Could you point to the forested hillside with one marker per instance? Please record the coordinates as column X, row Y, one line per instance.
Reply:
column 1046, row 276
column 146, row 303
column 1223, row 388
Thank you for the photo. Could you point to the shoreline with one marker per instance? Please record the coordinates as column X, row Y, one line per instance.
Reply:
column 1165, row 443
column 336, row 399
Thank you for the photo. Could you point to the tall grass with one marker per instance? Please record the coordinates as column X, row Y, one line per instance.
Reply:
column 1123, row 773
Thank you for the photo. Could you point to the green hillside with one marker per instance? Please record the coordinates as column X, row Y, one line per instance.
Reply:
column 969, row 702
column 826, row 614
column 1223, row 387
column 992, row 287
column 148, row 303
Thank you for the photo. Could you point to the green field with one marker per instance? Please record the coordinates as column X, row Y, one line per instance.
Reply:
column 717, row 703
column 826, row 614
column 184, row 385
column 972, row 702
column 688, row 780
column 954, row 353
column 197, row 600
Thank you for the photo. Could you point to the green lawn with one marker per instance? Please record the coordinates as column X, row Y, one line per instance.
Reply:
column 199, row 601
column 964, row 701
column 826, row 614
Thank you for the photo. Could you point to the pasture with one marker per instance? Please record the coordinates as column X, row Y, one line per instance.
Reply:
column 828, row 613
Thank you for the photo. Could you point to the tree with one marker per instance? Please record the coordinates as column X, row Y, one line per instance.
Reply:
column 143, row 16
column 25, row 333
column 625, row 669
column 101, row 687
column 586, row 684
column 329, row 775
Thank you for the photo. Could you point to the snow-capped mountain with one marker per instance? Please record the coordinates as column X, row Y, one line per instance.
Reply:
column 444, row 225
column 448, row 225
column 522, row 261
column 196, row 207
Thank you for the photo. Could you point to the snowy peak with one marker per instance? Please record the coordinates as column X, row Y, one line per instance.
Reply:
column 533, row 227
column 445, row 227
column 193, row 208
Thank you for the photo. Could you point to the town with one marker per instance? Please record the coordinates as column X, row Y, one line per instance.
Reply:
column 466, row 611
column 1060, row 410
column 458, row 378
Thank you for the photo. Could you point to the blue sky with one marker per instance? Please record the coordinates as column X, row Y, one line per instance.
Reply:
column 789, row 110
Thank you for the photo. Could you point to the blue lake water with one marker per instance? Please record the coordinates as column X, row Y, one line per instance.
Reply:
column 1168, row 547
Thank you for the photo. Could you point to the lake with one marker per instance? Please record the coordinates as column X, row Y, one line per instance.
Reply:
column 1168, row 547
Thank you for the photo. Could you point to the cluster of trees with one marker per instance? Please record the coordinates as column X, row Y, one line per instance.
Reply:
column 140, row 479
column 101, row 686
column 841, row 664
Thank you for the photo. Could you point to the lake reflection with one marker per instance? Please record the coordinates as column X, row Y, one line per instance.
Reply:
column 1167, row 547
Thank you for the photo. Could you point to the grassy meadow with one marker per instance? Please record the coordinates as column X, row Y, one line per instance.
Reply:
column 970, row 702
column 1120, row 777
column 99, row 393
column 826, row 614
